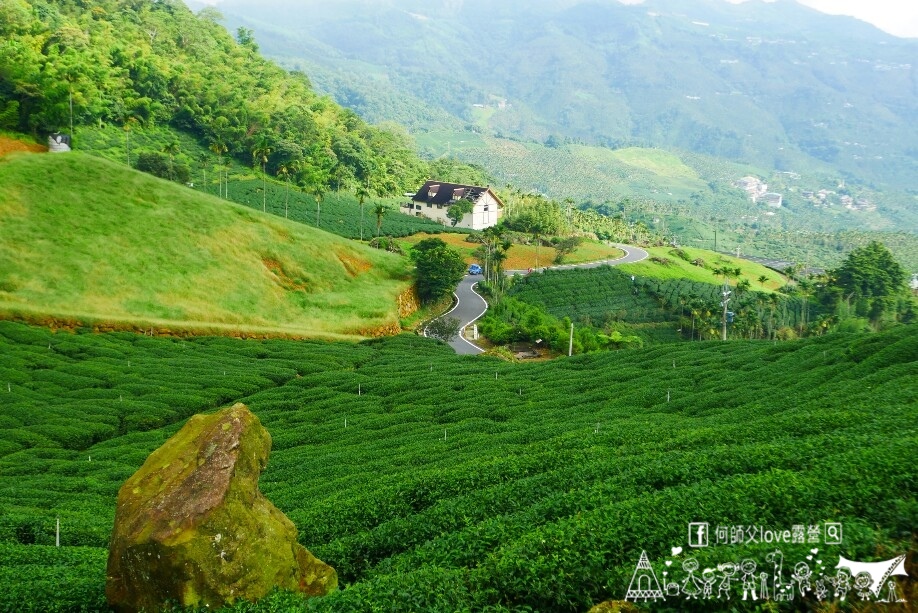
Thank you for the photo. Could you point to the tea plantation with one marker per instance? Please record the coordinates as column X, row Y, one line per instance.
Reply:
column 434, row 482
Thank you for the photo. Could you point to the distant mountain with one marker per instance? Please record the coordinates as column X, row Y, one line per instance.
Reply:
column 777, row 85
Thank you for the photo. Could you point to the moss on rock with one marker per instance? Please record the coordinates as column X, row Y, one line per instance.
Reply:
column 192, row 527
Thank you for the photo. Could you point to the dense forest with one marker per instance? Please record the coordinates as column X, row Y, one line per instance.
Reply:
column 72, row 66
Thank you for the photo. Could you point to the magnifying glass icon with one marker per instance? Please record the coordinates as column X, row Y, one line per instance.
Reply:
column 833, row 534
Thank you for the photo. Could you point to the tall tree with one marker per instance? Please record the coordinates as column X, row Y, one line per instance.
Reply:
column 869, row 272
column 439, row 268
column 260, row 153
column 363, row 192
column 380, row 211
column 171, row 149
column 873, row 277
column 283, row 171
column 219, row 147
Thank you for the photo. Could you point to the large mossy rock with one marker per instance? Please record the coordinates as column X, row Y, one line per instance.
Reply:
column 192, row 527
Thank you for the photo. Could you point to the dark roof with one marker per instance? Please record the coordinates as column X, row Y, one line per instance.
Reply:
column 438, row 192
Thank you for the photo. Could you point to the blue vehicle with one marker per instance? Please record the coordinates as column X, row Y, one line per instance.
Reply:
column 474, row 269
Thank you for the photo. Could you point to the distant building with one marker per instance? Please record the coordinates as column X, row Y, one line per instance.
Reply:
column 753, row 186
column 58, row 143
column 773, row 200
column 435, row 198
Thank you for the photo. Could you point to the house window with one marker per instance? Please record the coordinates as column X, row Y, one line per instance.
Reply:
column 418, row 207
column 432, row 191
column 485, row 207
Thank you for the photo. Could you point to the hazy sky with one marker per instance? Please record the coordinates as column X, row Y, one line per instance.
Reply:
column 898, row 17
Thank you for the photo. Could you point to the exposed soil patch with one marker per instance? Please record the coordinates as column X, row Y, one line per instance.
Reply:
column 282, row 278
column 353, row 264
column 11, row 145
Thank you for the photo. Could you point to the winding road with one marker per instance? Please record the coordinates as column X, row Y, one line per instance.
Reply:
column 470, row 306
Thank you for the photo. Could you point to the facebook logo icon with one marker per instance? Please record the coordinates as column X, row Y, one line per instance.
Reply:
column 698, row 534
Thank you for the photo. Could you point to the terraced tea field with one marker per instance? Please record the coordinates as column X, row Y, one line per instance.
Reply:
column 434, row 482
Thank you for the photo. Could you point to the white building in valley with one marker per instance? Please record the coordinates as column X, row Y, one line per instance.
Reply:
column 481, row 206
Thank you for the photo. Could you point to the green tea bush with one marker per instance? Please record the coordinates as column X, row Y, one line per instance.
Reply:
column 438, row 482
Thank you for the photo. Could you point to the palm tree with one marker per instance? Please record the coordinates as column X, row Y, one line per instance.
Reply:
column 363, row 192
column 171, row 149
column 318, row 192
column 260, row 153
column 379, row 210
column 219, row 147
column 762, row 280
column 284, row 171
column 203, row 159
column 128, row 125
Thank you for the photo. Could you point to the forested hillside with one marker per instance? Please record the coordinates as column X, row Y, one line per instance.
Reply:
column 546, row 95
column 775, row 84
column 71, row 67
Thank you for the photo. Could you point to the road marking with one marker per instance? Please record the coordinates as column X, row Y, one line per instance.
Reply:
column 462, row 329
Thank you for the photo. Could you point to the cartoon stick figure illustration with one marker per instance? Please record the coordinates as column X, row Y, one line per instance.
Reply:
column 708, row 577
column 728, row 570
column 748, row 568
column 690, row 584
column 821, row 590
column 763, row 586
column 862, row 583
column 842, row 583
column 802, row 575
column 892, row 595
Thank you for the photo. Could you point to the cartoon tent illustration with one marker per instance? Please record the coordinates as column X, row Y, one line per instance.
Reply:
column 879, row 572
column 644, row 585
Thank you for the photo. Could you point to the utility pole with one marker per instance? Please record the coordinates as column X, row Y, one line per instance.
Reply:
column 570, row 346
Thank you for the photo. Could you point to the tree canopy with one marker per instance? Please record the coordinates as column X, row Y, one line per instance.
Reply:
column 870, row 272
column 439, row 268
column 157, row 63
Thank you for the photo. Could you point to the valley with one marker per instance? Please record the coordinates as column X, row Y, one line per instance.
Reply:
column 664, row 433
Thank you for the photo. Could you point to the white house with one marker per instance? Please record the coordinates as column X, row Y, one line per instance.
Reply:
column 435, row 198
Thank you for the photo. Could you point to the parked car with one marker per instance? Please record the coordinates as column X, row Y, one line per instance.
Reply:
column 474, row 269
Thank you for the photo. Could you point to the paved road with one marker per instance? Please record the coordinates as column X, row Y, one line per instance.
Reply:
column 470, row 306
column 632, row 254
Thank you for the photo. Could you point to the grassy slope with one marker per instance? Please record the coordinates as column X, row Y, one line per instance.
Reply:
column 551, row 479
column 82, row 238
column 340, row 210
column 680, row 269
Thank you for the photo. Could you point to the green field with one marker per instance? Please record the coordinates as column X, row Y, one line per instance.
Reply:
column 468, row 484
column 658, row 302
column 87, row 240
column 669, row 265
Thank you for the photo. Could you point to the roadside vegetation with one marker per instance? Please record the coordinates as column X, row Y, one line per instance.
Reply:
column 676, row 294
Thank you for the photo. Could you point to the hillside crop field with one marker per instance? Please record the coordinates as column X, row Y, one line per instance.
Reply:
column 340, row 209
column 434, row 482
column 522, row 257
column 83, row 239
